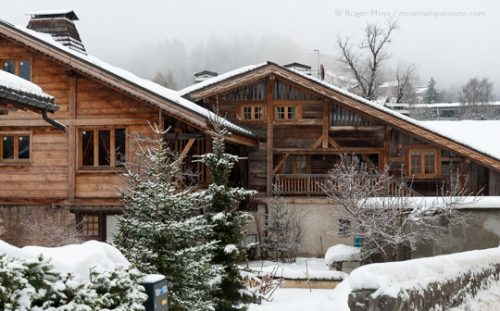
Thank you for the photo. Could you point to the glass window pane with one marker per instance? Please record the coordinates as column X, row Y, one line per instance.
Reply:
column 23, row 147
column 88, row 148
column 258, row 113
column 120, row 143
column 429, row 162
column 280, row 113
column 8, row 147
column 288, row 166
column 291, row 112
column 90, row 225
column 9, row 66
column 104, row 146
column 415, row 162
column 247, row 113
column 301, row 164
column 25, row 69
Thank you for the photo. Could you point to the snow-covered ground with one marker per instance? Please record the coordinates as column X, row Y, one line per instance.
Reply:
column 295, row 299
column 302, row 269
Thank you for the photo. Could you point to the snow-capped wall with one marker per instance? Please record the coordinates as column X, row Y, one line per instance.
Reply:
column 425, row 283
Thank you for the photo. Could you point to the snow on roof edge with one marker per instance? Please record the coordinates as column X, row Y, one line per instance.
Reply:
column 391, row 112
column 230, row 74
column 145, row 84
column 13, row 82
column 245, row 69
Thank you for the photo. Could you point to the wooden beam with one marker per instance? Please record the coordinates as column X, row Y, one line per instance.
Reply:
column 186, row 148
column 326, row 123
column 280, row 163
column 356, row 128
column 333, row 143
column 185, row 136
column 270, row 134
column 348, row 150
column 72, row 157
column 317, row 143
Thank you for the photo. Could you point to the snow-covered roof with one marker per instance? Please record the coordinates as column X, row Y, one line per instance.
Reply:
column 436, row 105
column 475, row 134
column 70, row 13
column 473, row 139
column 219, row 78
column 158, row 90
column 470, row 139
column 24, row 92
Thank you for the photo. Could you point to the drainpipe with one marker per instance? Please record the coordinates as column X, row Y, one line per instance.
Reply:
column 53, row 122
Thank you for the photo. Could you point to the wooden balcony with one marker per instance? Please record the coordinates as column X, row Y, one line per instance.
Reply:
column 311, row 184
column 300, row 184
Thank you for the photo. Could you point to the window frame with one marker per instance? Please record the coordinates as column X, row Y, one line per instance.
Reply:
column 17, row 63
column 16, row 159
column 252, row 107
column 293, row 158
column 101, row 222
column 298, row 112
column 422, row 150
column 112, row 143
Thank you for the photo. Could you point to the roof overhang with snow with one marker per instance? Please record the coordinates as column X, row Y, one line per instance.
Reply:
column 250, row 74
column 125, row 82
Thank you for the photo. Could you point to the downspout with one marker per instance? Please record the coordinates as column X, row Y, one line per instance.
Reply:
column 53, row 122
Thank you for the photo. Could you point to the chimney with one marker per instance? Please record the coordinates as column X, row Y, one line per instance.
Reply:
column 60, row 24
column 204, row 75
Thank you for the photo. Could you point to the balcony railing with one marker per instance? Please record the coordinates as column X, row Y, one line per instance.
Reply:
column 300, row 184
column 312, row 184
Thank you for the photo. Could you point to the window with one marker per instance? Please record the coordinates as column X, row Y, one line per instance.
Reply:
column 297, row 164
column 344, row 226
column 20, row 68
column 102, row 148
column 14, row 147
column 91, row 225
column 423, row 163
column 285, row 113
column 252, row 112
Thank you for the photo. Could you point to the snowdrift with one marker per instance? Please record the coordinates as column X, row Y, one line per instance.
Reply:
column 77, row 259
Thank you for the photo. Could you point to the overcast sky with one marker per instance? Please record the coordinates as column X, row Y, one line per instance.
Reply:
column 450, row 48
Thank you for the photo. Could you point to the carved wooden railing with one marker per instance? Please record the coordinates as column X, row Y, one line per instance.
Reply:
column 312, row 184
column 300, row 184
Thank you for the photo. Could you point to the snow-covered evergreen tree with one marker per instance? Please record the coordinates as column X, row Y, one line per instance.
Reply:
column 230, row 292
column 161, row 231
column 431, row 94
column 284, row 230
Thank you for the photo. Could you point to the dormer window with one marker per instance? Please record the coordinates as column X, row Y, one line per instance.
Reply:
column 21, row 68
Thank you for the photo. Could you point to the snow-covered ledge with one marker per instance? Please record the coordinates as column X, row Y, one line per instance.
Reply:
column 434, row 283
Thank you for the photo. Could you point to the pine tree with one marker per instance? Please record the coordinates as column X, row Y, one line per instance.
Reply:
column 230, row 293
column 284, row 230
column 431, row 95
column 161, row 231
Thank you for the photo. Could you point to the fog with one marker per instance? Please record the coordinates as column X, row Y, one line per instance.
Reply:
column 449, row 40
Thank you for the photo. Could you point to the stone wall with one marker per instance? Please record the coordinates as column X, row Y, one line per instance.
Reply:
column 37, row 225
column 445, row 295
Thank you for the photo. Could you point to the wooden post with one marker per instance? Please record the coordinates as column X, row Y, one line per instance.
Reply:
column 269, row 136
column 385, row 153
column 72, row 107
column 326, row 125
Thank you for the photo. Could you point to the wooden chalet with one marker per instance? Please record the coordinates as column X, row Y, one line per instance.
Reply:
column 304, row 124
column 78, row 164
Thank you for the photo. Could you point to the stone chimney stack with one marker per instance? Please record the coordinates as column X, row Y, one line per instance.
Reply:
column 60, row 24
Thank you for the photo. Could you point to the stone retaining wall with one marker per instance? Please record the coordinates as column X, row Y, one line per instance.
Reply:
column 437, row 296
